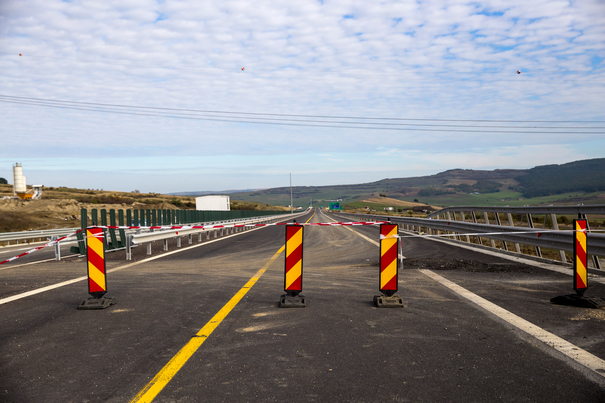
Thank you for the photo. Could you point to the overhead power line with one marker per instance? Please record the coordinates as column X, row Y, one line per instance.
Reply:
column 349, row 122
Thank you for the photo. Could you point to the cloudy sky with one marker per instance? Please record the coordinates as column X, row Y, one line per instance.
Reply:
column 168, row 96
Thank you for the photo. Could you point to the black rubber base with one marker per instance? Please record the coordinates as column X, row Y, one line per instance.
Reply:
column 288, row 301
column 582, row 302
column 394, row 301
column 96, row 303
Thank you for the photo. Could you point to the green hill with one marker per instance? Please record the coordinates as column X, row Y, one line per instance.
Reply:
column 576, row 182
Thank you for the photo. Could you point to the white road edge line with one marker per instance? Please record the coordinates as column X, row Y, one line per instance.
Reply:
column 572, row 351
column 75, row 280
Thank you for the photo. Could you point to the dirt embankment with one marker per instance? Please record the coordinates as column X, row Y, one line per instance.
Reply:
column 25, row 215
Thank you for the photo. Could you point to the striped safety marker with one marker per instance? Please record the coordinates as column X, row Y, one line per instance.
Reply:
column 95, row 252
column 389, row 262
column 294, row 265
column 580, row 278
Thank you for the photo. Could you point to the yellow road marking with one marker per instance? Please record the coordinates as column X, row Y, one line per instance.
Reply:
column 155, row 386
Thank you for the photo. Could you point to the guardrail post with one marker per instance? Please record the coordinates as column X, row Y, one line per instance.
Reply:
column 555, row 226
column 531, row 225
column 486, row 218
column 57, row 248
column 190, row 239
column 512, row 224
column 178, row 241
column 165, row 244
column 129, row 247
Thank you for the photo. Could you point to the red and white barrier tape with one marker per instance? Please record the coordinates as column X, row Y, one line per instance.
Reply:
column 185, row 227
column 41, row 247
column 321, row 224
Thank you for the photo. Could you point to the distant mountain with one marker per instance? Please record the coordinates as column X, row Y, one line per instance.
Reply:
column 455, row 186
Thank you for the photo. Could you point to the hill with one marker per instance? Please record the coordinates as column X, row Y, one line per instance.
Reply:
column 576, row 182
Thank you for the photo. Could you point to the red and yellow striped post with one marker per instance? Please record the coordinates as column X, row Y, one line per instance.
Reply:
column 97, row 283
column 389, row 262
column 580, row 278
column 294, row 264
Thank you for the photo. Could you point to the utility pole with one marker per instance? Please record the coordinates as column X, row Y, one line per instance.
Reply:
column 291, row 206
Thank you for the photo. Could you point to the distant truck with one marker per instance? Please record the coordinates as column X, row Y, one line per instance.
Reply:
column 213, row 203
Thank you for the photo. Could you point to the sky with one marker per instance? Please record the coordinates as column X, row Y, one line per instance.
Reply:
column 172, row 96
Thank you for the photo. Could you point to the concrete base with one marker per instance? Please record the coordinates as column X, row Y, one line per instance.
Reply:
column 581, row 302
column 97, row 303
column 394, row 301
column 288, row 301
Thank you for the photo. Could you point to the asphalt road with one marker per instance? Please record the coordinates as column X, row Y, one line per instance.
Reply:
column 340, row 348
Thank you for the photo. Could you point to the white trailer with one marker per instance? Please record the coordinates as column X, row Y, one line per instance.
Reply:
column 214, row 203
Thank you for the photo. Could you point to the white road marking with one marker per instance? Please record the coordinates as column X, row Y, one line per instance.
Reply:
column 582, row 357
column 572, row 351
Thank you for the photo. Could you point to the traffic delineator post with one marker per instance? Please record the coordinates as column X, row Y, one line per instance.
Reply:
column 580, row 262
column 580, row 271
column 389, row 268
column 293, row 271
column 97, row 274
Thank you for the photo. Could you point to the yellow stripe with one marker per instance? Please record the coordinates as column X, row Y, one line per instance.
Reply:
column 293, row 274
column 294, row 242
column 387, row 274
column 97, row 276
column 95, row 243
column 155, row 386
column 386, row 245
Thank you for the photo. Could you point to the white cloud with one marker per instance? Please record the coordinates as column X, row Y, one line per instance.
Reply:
column 404, row 59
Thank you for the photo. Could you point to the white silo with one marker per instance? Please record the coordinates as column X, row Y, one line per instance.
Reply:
column 18, row 179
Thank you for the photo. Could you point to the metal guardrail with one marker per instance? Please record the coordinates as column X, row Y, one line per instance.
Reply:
column 567, row 210
column 561, row 240
column 9, row 237
column 164, row 235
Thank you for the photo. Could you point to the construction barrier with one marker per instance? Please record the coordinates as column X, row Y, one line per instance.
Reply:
column 580, row 263
column 97, row 278
column 388, row 259
column 293, row 271
column 389, row 267
column 580, row 272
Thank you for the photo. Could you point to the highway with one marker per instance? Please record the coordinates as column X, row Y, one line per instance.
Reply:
column 202, row 324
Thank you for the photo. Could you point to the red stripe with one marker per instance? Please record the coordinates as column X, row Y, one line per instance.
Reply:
column 294, row 258
column 388, row 257
column 579, row 283
column 386, row 229
column 96, row 260
column 580, row 252
column 93, row 287
column 296, row 285
column 391, row 285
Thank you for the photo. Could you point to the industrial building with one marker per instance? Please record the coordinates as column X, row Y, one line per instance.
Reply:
column 213, row 203
column 20, row 187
